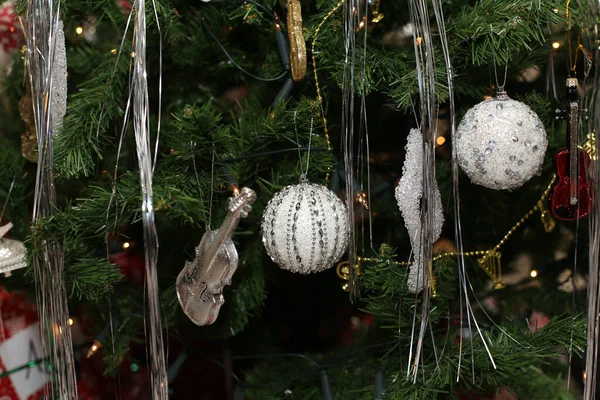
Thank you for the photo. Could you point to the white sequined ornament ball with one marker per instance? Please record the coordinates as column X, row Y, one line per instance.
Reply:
column 304, row 228
column 501, row 143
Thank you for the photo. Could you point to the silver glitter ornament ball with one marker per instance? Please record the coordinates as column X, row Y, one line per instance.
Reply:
column 304, row 228
column 501, row 143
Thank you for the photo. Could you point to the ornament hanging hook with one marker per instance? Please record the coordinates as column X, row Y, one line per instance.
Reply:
column 499, row 88
column 303, row 173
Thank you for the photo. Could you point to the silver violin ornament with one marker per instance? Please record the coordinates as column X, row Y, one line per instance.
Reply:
column 200, row 283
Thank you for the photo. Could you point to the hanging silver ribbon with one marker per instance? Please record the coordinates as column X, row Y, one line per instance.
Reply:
column 348, row 147
column 42, row 30
column 591, row 102
column 141, row 124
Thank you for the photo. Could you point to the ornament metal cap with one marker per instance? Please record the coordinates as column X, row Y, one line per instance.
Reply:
column 501, row 94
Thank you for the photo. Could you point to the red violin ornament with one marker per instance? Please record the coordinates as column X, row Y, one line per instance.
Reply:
column 571, row 195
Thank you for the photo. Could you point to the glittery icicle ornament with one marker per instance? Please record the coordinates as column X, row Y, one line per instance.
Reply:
column 29, row 142
column 501, row 143
column 59, row 79
column 297, row 45
column 304, row 228
column 408, row 194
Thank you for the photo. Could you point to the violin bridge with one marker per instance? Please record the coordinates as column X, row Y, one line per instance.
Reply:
column 573, row 141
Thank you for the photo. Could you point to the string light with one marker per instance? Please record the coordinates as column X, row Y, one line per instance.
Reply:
column 126, row 245
column 440, row 140
column 114, row 51
column 555, row 45
column 94, row 348
column 533, row 273
column 361, row 198
column 79, row 30
column 71, row 322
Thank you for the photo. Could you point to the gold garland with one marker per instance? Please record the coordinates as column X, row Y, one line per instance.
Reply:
column 489, row 260
column 317, row 86
column 297, row 44
column 590, row 146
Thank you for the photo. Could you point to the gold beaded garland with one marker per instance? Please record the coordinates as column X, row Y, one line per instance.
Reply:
column 489, row 260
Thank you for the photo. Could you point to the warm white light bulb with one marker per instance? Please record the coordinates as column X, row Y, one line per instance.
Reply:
column 533, row 273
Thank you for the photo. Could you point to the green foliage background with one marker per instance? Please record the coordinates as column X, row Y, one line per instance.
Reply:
column 254, row 144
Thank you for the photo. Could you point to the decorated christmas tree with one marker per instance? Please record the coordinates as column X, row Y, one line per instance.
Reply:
column 329, row 199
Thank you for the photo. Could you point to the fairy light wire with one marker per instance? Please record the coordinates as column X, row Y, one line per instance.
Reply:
column 230, row 58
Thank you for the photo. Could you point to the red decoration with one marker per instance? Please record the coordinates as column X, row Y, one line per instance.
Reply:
column 10, row 30
column 571, row 195
column 19, row 345
column 129, row 384
column 125, row 6
column 131, row 262
column 559, row 198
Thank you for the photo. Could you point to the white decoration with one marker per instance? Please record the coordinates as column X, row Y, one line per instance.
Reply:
column 408, row 194
column 500, row 143
column 20, row 349
column 304, row 228
column 59, row 79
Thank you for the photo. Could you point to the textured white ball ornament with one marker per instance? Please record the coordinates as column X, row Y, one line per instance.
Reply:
column 304, row 228
column 501, row 143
